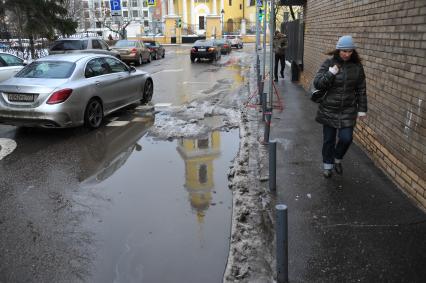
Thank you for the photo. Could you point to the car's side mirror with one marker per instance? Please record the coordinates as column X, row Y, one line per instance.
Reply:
column 132, row 69
column 24, row 63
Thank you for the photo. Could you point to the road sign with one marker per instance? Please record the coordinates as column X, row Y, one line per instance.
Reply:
column 115, row 7
column 152, row 3
column 259, row 3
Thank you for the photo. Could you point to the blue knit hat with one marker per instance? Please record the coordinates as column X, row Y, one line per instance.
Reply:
column 345, row 42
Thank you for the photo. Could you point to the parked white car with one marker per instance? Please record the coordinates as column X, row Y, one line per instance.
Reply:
column 10, row 65
column 236, row 40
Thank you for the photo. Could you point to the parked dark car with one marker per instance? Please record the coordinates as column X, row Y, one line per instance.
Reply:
column 82, row 45
column 205, row 49
column 157, row 50
column 225, row 46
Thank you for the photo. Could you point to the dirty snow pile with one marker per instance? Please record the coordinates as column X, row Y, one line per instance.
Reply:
column 251, row 255
column 194, row 120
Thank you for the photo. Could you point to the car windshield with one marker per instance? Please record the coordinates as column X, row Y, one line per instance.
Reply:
column 47, row 70
column 149, row 43
column 203, row 43
column 125, row 43
column 220, row 41
column 69, row 45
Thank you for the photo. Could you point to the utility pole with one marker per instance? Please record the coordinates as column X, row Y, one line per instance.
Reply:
column 271, row 50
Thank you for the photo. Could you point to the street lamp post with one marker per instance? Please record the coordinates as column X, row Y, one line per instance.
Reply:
column 222, row 13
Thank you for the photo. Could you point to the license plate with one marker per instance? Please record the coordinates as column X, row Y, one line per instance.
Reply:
column 18, row 97
column 201, row 49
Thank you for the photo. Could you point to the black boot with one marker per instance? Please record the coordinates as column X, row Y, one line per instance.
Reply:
column 327, row 173
column 338, row 168
column 282, row 74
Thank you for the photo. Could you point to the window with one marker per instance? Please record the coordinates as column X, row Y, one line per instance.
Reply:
column 125, row 14
column 201, row 22
column 145, row 3
column 134, row 3
column 86, row 25
column 98, row 24
column 96, row 67
column 47, row 70
column 11, row 60
column 230, row 2
column 145, row 23
column 106, row 4
column 96, row 44
column 86, row 14
column 104, row 45
column 124, row 4
column 145, row 14
column 252, row 2
column 96, row 5
column 69, row 45
column 97, row 14
column 241, row 6
column 135, row 13
column 86, row 5
column 202, row 174
column 115, row 65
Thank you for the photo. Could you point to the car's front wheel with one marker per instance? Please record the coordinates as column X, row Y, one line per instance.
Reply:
column 140, row 60
column 148, row 91
column 94, row 114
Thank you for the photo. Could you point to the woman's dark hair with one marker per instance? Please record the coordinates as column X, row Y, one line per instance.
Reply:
column 354, row 56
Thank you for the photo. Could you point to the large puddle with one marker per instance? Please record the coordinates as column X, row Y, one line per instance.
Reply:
column 167, row 212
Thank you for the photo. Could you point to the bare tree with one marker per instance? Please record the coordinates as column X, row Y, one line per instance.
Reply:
column 74, row 8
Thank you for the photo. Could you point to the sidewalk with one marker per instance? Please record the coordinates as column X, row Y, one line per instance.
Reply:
column 358, row 227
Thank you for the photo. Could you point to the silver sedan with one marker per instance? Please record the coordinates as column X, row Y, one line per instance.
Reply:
column 71, row 90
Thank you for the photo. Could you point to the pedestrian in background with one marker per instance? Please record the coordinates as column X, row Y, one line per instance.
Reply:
column 279, row 45
column 343, row 77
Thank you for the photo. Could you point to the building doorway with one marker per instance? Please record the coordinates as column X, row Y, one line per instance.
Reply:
column 201, row 21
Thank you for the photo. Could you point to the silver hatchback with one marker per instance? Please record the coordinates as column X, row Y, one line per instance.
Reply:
column 71, row 90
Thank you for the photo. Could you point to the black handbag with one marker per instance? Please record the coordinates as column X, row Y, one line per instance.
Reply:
column 317, row 95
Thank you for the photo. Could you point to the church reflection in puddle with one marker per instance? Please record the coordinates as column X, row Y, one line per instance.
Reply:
column 198, row 155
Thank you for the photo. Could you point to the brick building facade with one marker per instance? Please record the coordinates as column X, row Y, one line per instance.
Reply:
column 391, row 39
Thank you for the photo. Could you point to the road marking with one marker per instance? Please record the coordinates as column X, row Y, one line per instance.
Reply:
column 140, row 119
column 168, row 71
column 117, row 123
column 7, row 146
column 145, row 107
column 160, row 105
column 185, row 83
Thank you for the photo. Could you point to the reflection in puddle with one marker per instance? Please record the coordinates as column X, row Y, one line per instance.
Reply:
column 198, row 155
column 168, row 220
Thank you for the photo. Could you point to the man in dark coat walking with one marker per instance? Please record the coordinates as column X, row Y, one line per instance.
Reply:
column 279, row 45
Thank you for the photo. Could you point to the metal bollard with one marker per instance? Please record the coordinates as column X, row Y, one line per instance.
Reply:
column 268, row 117
column 261, row 86
column 272, row 166
column 264, row 101
column 282, row 243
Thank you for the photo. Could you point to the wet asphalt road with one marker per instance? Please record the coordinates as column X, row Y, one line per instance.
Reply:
column 116, row 205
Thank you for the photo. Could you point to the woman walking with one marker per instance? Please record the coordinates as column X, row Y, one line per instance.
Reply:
column 343, row 77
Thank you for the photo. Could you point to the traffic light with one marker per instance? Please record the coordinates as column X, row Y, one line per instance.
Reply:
column 261, row 14
column 179, row 23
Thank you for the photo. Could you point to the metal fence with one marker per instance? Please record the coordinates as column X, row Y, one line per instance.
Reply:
column 25, row 52
column 294, row 31
column 234, row 27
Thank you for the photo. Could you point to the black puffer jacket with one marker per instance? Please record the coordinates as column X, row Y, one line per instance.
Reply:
column 346, row 93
